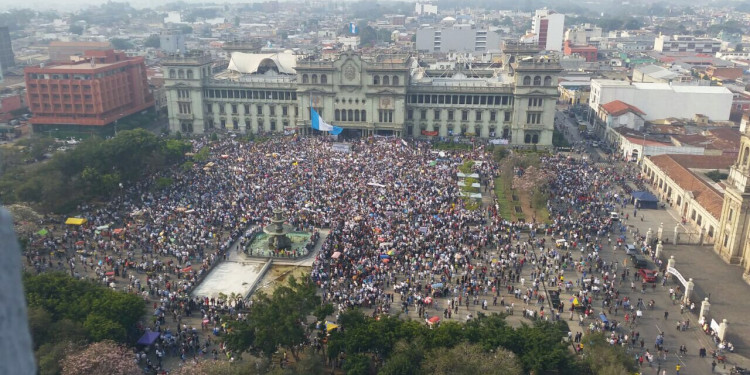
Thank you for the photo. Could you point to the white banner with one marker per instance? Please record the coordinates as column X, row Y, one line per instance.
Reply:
column 674, row 271
column 341, row 147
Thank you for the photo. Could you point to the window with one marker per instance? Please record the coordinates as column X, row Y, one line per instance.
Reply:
column 548, row 81
column 436, row 114
column 272, row 110
column 395, row 81
column 234, row 109
column 305, row 79
column 223, row 123
column 235, row 124
column 493, row 116
column 478, row 115
column 533, row 118
column 247, row 109
column 526, row 81
column 356, row 115
column 350, row 115
column 183, row 94
column 284, row 110
column 375, row 80
column 532, row 138
column 537, row 81
column 731, row 213
column 385, row 115
column 273, row 125
column 409, row 114
column 464, row 115
column 386, row 80
column 506, row 116
column 423, row 114
column 209, row 108
column 259, row 110
column 172, row 74
column 323, row 79
column 450, row 115
column 364, row 115
column 336, row 115
column 190, row 74
column 314, row 79
column 535, row 102
column 222, row 109
column 180, row 74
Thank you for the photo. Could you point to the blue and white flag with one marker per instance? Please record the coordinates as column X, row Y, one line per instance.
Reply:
column 353, row 27
column 319, row 124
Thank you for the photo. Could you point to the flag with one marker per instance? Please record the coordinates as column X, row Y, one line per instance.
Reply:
column 353, row 27
column 319, row 124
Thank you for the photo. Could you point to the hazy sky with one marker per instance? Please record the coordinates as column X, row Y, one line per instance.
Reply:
column 69, row 5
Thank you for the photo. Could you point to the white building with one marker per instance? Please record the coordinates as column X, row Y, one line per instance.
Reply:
column 425, row 8
column 457, row 38
column 686, row 43
column 172, row 41
column 662, row 100
column 582, row 35
column 548, row 28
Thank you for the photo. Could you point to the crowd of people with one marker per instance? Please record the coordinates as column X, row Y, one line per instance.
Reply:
column 398, row 227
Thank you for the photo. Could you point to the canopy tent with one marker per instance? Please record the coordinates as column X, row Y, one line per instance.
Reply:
column 75, row 221
column 43, row 232
column 249, row 63
column 148, row 338
column 644, row 199
column 330, row 326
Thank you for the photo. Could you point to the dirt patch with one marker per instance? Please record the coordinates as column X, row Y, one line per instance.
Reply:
column 278, row 275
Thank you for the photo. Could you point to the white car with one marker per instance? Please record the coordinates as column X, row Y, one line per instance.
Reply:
column 614, row 216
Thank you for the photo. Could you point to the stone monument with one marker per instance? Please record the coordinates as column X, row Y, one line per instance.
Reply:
column 277, row 231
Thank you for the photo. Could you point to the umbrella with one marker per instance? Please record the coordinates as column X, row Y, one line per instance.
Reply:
column 386, row 260
column 330, row 326
column 43, row 232
column 384, row 256
column 79, row 243
column 434, row 319
column 391, row 252
column 336, row 255
column 437, row 285
column 110, row 273
column 428, row 300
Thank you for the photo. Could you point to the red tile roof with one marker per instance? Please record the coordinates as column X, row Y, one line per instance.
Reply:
column 617, row 108
column 677, row 167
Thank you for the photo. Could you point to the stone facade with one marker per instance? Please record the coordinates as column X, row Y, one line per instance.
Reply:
column 366, row 95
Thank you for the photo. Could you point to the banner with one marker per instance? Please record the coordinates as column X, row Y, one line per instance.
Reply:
column 430, row 133
column 677, row 274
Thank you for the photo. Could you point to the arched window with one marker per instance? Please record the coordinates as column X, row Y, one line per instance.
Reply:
column 395, row 81
column 336, row 115
column 548, row 81
column 172, row 74
column 314, row 78
column 506, row 133
column 527, row 138
column 343, row 115
column 305, row 79
column 180, row 74
column 386, row 80
column 364, row 115
column 537, row 81
column 745, row 155
column 323, row 79
column 535, row 138
column 350, row 115
column 526, row 81
column 375, row 80
column 190, row 74
column 356, row 116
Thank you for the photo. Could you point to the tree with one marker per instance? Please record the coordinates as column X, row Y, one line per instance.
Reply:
column 121, row 44
column 186, row 29
column 470, row 359
column 278, row 320
column 603, row 358
column 153, row 41
column 76, row 29
column 104, row 357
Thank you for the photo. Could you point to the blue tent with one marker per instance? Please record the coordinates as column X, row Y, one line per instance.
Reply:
column 644, row 199
column 148, row 338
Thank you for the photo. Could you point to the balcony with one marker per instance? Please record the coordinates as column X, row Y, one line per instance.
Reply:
column 185, row 116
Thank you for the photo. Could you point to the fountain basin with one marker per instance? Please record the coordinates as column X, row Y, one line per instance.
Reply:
column 259, row 246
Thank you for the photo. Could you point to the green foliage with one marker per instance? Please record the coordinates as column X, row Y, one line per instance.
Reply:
column 559, row 140
column 503, row 193
column 163, row 182
column 214, row 137
column 278, row 320
column 72, row 305
column 152, row 41
column 121, row 44
column 49, row 355
column 602, row 358
column 357, row 364
column 94, row 168
column 202, row 155
column 76, row 29
column 716, row 175
column 466, row 167
column 186, row 29
column 187, row 166
column 406, row 345
column 470, row 359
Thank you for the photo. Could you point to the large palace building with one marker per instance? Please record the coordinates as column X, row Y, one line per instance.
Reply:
column 365, row 95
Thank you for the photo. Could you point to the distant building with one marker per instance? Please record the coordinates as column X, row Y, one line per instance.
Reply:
column 97, row 91
column 658, row 74
column 366, row 95
column 457, row 38
column 582, row 35
column 422, row 9
column 686, row 43
column 61, row 52
column 587, row 52
column 7, row 59
column 548, row 28
column 9, row 103
column 172, row 41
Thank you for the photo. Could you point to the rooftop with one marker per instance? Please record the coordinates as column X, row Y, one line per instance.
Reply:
column 617, row 108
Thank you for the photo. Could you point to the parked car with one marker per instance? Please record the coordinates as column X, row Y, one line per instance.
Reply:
column 630, row 250
column 614, row 216
column 648, row 276
column 639, row 261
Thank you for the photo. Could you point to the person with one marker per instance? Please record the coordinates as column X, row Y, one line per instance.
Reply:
column 677, row 368
column 713, row 365
column 666, row 315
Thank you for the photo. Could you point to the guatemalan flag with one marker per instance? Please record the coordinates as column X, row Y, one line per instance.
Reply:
column 319, row 124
